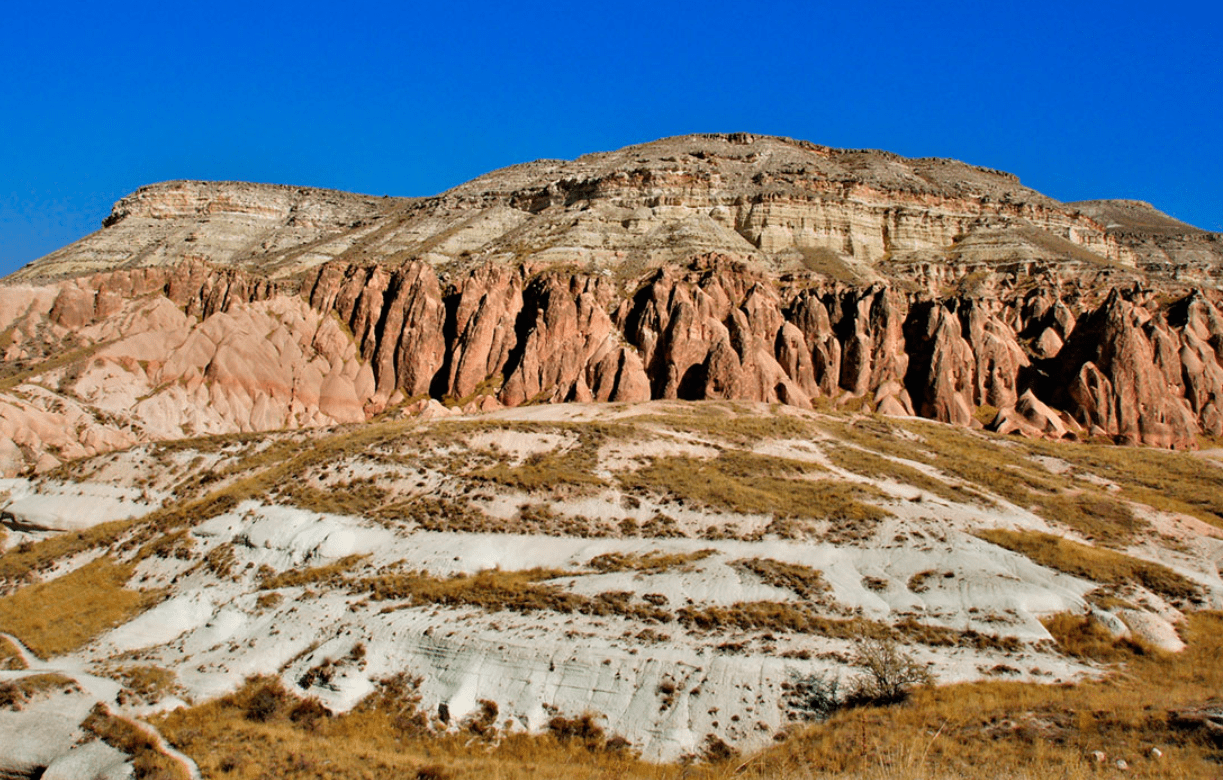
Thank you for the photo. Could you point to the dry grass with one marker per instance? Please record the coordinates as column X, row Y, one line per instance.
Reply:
column 65, row 614
column 804, row 581
column 544, row 471
column 21, row 563
column 262, row 731
column 1002, row 466
column 755, row 484
column 654, row 562
column 358, row 497
column 1169, row 481
column 730, row 423
column 15, row 694
column 10, row 659
column 1082, row 637
column 15, row 373
column 437, row 514
column 987, row 730
column 1011, row 729
column 869, row 464
column 1095, row 515
column 571, row 465
column 495, row 590
column 1103, row 566
column 330, row 574
column 148, row 684
column 147, row 759
column 781, row 616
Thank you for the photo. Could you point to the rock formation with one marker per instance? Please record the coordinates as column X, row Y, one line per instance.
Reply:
column 693, row 268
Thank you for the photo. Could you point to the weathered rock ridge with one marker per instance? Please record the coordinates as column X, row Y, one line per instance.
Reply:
column 1122, row 367
column 101, row 362
column 720, row 267
column 858, row 216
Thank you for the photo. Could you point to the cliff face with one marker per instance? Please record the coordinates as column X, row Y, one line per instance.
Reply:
column 1130, row 367
column 103, row 362
column 719, row 267
column 858, row 216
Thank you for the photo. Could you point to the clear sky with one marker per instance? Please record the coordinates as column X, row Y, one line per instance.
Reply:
column 1081, row 100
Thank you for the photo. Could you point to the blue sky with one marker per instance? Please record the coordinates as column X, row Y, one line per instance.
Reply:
column 1081, row 100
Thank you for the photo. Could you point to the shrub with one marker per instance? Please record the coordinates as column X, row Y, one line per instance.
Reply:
column 583, row 729
column 888, row 673
column 812, row 696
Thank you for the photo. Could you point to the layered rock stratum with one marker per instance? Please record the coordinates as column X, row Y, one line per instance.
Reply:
column 699, row 267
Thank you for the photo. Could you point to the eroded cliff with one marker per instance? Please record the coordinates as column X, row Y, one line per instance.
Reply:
column 701, row 267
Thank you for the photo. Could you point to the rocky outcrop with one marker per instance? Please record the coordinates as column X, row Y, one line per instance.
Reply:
column 717, row 329
column 854, row 215
column 156, row 353
column 713, row 266
column 1124, row 376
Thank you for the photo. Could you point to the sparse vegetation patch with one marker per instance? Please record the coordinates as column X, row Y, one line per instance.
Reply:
column 654, row 562
column 1103, row 566
column 263, row 730
column 57, row 617
column 755, row 484
column 329, row 574
column 15, row 694
column 806, row 582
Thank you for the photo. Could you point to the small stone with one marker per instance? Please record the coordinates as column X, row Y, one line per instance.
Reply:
column 1099, row 757
column 1122, row 765
column 1156, row 753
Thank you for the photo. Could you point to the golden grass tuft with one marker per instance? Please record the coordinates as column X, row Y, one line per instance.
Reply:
column 147, row 759
column 1103, row 566
column 1168, row 481
column 542, row 471
column 781, row 616
column 755, row 484
column 144, row 684
column 869, row 464
column 1002, row 467
column 253, row 734
column 357, row 497
column 495, row 590
column 996, row 730
column 803, row 581
column 730, row 423
column 1082, row 637
column 654, row 562
column 14, row 694
column 19, row 564
column 330, row 574
column 10, row 658
column 66, row 613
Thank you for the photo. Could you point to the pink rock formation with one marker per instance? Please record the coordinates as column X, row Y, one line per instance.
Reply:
column 163, row 352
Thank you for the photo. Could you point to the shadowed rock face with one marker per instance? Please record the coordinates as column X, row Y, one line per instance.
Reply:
column 710, row 267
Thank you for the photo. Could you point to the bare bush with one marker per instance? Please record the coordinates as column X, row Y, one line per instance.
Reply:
column 887, row 672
